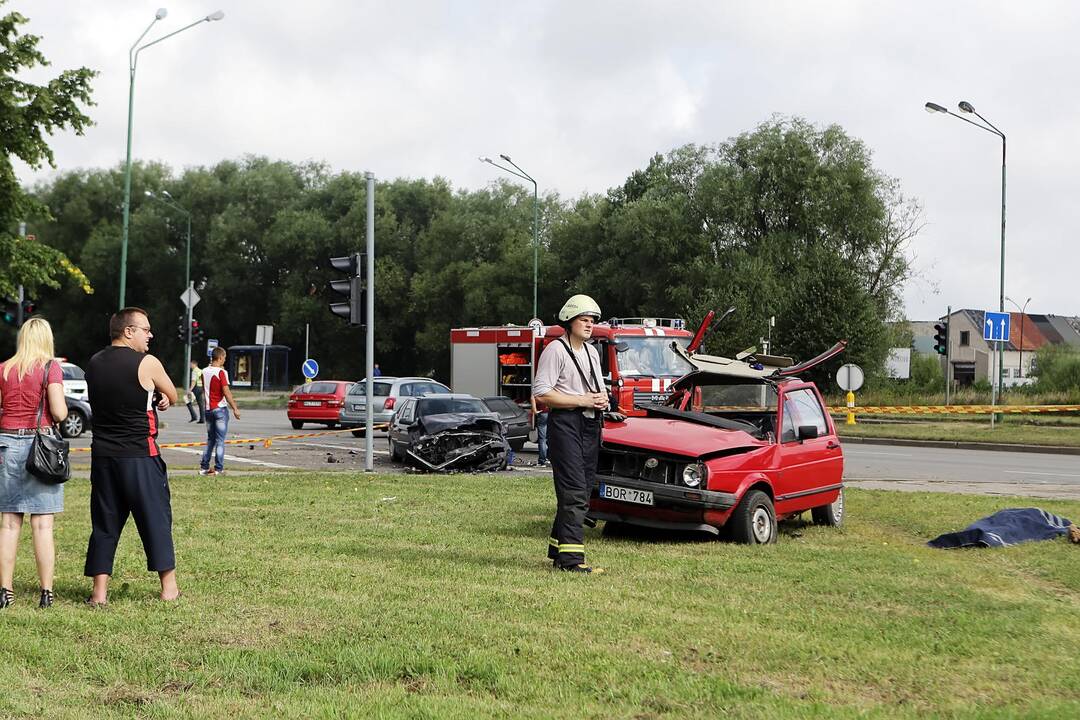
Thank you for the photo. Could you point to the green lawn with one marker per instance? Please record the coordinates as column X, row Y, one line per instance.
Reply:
column 418, row 596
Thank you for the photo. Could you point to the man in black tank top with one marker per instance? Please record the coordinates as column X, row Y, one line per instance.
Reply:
column 126, row 388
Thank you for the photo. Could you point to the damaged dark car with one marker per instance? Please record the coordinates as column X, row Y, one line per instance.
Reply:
column 446, row 433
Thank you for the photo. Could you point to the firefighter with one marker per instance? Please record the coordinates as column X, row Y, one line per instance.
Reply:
column 568, row 380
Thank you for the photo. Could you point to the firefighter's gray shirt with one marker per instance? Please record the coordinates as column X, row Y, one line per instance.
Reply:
column 555, row 371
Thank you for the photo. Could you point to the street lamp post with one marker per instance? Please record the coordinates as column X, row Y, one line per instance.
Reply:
column 536, row 217
column 1023, row 314
column 966, row 107
column 169, row 201
column 133, row 60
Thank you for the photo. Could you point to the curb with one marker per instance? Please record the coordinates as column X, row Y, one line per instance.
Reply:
column 963, row 445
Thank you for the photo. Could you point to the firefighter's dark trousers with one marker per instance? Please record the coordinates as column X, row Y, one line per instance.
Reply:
column 573, row 445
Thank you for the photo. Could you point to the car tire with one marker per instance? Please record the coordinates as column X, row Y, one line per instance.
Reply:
column 753, row 521
column 517, row 445
column 394, row 455
column 74, row 424
column 831, row 515
column 296, row 424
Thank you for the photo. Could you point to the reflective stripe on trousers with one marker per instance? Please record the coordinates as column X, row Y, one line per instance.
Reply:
column 574, row 446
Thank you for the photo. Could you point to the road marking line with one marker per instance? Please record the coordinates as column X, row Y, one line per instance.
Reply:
column 233, row 458
column 1052, row 474
column 325, row 445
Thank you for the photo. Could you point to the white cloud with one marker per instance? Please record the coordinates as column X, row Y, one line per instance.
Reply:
column 581, row 94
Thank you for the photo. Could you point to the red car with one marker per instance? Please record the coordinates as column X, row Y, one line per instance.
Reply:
column 317, row 402
column 740, row 444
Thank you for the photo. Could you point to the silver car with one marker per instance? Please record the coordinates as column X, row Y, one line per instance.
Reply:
column 387, row 392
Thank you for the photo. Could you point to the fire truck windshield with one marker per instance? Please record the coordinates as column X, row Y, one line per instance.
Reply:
column 652, row 357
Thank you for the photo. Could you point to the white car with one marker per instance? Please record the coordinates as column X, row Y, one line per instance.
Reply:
column 74, row 380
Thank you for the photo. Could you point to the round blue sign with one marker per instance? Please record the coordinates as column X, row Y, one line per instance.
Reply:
column 311, row 368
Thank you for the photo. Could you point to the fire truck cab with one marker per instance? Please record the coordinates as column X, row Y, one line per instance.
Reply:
column 637, row 362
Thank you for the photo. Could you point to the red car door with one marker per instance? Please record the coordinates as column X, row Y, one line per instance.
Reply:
column 810, row 468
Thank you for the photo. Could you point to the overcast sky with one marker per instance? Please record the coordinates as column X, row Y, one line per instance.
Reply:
column 582, row 93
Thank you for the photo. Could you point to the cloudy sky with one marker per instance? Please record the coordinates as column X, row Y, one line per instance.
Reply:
column 581, row 93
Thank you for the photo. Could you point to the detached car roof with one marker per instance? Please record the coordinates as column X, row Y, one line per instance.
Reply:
column 746, row 366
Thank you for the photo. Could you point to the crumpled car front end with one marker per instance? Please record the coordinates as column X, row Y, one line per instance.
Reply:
column 451, row 442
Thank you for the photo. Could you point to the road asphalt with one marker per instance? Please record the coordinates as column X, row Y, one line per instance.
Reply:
column 877, row 464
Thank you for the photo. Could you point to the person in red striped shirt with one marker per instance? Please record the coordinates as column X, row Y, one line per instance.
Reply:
column 219, row 399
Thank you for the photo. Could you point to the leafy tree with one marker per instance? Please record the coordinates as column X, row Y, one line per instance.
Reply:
column 1056, row 369
column 28, row 113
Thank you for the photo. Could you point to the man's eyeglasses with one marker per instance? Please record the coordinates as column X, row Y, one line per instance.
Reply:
column 140, row 327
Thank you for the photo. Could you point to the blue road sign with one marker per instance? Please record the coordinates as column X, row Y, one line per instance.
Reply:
column 996, row 326
column 311, row 368
column 210, row 345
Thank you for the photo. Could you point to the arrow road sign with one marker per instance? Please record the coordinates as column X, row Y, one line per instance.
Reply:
column 996, row 326
column 311, row 368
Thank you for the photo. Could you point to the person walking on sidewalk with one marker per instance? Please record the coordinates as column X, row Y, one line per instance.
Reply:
column 31, row 396
column 568, row 381
column 195, row 389
column 219, row 399
column 127, row 387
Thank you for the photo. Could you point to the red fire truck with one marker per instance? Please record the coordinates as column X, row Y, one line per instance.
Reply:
column 636, row 358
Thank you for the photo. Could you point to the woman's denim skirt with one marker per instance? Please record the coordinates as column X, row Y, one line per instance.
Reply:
column 21, row 492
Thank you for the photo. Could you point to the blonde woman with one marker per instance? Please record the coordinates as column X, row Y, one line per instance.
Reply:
column 21, row 380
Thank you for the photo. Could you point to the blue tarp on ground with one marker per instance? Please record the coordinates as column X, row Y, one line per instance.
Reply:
column 1004, row 528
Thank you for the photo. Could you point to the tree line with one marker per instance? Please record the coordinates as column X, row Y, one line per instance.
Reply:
column 788, row 220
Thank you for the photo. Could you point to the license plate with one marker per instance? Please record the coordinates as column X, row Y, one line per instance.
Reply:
column 622, row 494
column 312, row 403
column 358, row 407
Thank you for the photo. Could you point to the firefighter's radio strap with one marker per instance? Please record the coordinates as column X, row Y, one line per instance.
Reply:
column 593, row 386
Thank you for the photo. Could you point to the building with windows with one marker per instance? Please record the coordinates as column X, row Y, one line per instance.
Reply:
column 972, row 359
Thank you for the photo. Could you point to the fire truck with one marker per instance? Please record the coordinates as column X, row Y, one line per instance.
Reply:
column 636, row 359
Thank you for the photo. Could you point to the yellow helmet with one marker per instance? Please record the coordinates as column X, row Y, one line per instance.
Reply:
column 579, row 305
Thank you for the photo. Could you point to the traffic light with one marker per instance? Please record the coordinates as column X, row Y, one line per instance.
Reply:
column 197, row 332
column 941, row 338
column 11, row 312
column 181, row 329
column 352, row 288
column 28, row 308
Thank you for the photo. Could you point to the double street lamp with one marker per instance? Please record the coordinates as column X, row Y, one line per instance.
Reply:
column 968, row 108
column 133, row 59
column 536, row 216
column 166, row 199
column 1023, row 314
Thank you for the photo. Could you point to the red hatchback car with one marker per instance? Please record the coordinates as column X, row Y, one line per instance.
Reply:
column 317, row 402
column 739, row 445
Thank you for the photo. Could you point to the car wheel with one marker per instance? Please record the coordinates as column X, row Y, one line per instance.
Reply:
column 517, row 445
column 832, row 514
column 754, row 520
column 296, row 424
column 74, row 424
column 394, row 455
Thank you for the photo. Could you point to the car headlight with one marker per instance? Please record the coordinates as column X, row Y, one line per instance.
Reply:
column 693, row 475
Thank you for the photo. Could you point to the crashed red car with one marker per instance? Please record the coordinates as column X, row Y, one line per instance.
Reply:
column 740, row 444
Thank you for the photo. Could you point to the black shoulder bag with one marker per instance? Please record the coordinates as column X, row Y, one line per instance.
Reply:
column 48, row 460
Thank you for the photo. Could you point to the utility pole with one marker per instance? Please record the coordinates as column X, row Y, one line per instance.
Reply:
column 369, row 442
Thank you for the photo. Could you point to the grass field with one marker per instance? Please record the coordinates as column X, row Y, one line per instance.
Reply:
column 420, row 596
